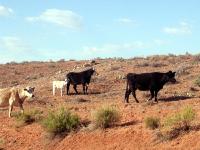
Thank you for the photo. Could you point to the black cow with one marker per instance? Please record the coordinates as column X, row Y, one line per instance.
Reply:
column 76, row 78
column 153, row 81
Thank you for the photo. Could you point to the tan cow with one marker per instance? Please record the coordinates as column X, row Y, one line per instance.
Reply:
column 15, row 96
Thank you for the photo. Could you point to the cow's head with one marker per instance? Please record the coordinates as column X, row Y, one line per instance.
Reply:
column 28, row 92
column 92, row 71
column 171, row 76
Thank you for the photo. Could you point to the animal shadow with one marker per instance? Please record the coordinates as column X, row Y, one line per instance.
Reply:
column 81, row 100
column 129, row 123
column 175, row 98
column 89, row 93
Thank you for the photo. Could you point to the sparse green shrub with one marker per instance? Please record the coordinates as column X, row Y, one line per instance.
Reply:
column 182, row 69
column 197, row 81
column 182, row 119
column 27, row 117
column 176, row 124
column 152, row 122
column 158, row 64
column 105, row 117
column 61, row 121
column 1, row 142
column 143, row 64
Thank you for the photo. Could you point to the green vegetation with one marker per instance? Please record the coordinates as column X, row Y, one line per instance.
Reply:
column 182, row 119
column 61, row 121
column 197, row 81
column 105, row 117
column 152, row 122
column 1, row 142
column 177, row 124
column 27, row 117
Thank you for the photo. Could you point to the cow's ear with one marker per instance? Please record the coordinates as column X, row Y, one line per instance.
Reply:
column 173, row 74
column 25, row 90
column 170, row 72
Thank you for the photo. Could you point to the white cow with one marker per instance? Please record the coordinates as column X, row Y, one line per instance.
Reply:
column 60, row 85
column 15, row 96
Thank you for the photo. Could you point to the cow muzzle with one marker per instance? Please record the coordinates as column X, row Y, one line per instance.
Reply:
column 172, row 80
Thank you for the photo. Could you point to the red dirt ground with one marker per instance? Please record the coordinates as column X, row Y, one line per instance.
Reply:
column 107, row 88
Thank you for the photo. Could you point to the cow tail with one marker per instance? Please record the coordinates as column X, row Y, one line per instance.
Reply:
column 126, row 85
column 68, row 78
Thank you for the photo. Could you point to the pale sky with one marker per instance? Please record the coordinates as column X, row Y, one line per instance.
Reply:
column 86, row 29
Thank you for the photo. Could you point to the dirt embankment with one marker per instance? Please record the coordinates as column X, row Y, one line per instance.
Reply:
column 107, row 88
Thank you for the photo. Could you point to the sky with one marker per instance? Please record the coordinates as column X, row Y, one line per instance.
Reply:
column 42, row 30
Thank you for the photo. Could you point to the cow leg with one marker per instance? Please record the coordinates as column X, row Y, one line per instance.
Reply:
column 156, row 93
column 134, row 95
column 10, row 107
column 21, row 108
column 53, row 90
column 61, row 91
column 152, row 95
column 128, row 92
column 68, row 85
column 75, row 89
column 10, row 110
column 84, row 89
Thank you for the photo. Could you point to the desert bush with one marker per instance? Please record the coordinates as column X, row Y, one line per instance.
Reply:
column 16, row 72
column 152, row 122
column 183, row 69
column 14, row 82
column 197, row 81
column 113, row 68
column 120, row 77
column 61, row 60
column 157, row 64
column 143, row 64
column 51, row 65
column 12, row 63
column 105, row 117
column 61, row 121
column 176, row 124
column 27, row 117
column 182, row 119
column 171, row 55
column 1, row 144
column 197, row 58
column 25, row 62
